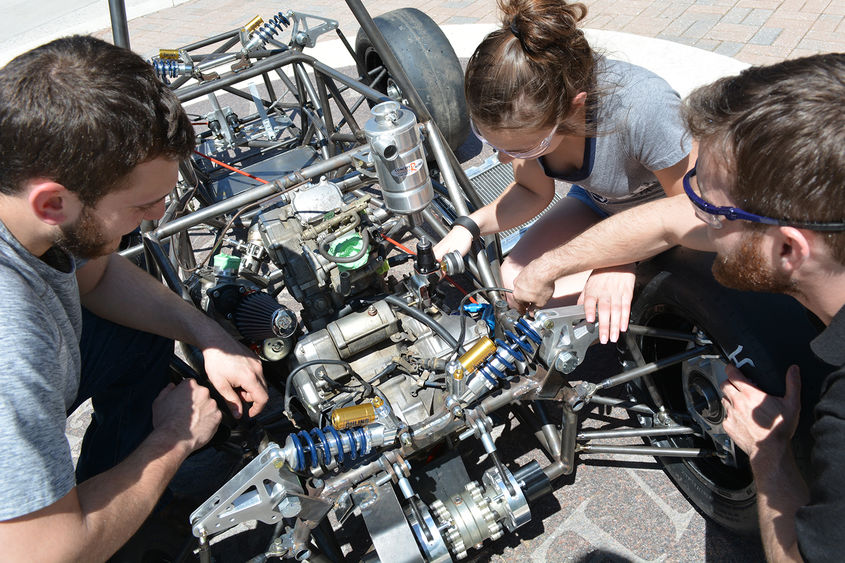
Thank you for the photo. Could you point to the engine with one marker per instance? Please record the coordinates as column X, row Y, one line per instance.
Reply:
column 378, row 370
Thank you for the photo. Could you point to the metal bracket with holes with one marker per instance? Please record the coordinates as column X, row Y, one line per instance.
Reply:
column 263, row 490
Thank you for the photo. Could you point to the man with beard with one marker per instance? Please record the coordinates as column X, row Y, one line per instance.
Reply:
column 768, row 195
column 91, row 141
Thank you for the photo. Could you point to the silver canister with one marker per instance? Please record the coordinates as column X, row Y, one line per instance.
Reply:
column 399, row 158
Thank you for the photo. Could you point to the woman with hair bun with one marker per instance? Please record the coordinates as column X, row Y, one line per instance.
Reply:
column 539, row 95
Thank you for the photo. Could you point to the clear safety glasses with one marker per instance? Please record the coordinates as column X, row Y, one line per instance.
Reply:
column 531, row 153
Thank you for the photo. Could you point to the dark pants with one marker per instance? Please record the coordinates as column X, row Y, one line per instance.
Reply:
column 123, row 371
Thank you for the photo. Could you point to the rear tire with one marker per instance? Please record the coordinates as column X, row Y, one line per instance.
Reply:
column 430, row 63
column 681, row 294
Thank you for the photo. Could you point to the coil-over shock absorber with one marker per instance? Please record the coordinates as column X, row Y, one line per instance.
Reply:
column 322, row 447
column 166, row 68
column 497, row 358
column 267, row 31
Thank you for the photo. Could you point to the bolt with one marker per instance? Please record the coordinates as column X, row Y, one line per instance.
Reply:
column 289, row 507
column 405, row 439
column 216, row 294
column 548, row 324
column 241, row 289
column 371, row 310
column 566, row 362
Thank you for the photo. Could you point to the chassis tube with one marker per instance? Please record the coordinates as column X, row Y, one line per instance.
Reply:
column 249, row 196
column 661, row 333
column 647, row 450
column 153, row 246
column 440, row 149
column 653, row 367
column 622, row 404
column 119, row 25
column 273, row 63
column 635, row 432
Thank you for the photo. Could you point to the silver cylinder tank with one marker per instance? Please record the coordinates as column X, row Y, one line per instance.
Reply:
column 399, row 158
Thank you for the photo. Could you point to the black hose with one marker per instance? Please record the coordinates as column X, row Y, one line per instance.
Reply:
column 425, row 319
column 365, row 247
column 294, row 371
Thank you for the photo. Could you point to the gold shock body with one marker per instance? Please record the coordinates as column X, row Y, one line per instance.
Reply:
column 253, row 23
column 482, row 350
column 168, row 54
column 356, row 415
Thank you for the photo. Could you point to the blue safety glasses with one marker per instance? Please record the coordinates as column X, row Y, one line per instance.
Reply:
column 713, row 215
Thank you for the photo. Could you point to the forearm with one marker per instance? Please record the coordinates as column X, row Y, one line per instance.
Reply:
column 781, row 491
column 115, row 504
column 629, row 236
column 128, row 296
column 515, row 206
column 92, row 521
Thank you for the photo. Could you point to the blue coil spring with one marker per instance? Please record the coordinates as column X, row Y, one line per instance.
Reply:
column 272, row 28
column 512, row 351
column 165, row 68
column 319, row 448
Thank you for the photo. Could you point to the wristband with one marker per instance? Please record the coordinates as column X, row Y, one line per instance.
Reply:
column 469, row 225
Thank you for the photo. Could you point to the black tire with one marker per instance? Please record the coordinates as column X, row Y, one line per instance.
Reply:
column 430, row 63
column 679, row 293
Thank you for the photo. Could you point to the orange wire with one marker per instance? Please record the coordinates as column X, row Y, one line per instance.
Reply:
column 412, row 253
column 399, row 246
column 232, row 168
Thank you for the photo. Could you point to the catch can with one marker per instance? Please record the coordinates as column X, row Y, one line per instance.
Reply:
column 399, row 158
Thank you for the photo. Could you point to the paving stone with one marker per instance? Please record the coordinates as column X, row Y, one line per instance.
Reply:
column 461, row 19
column 827, row 23
column 728, row 48
column 702, row 25
column 736, row 15
column 707, row 44
column 732, row 32
column 677, row 39
column 765, row 36
column 758, row 16
column 821, row 45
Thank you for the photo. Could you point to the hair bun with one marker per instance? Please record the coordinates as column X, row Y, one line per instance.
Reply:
column 543, row 25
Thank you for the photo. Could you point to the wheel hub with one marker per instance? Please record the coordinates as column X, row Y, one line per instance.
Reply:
column 393, row 91
column 702, row 377
column 705, row 398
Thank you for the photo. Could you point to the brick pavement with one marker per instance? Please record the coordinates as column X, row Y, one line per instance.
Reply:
column 753, row 31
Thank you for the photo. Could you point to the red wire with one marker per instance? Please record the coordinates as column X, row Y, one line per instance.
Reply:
column 232, row 168
column 447, row 278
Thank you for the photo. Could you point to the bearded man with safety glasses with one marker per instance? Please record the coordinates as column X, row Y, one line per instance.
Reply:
column 768, row 195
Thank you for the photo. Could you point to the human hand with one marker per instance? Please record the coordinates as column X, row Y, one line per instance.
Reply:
column 187, row 414
column 531, row 288
column 236, row 373
column 458, row 239
column 611, row 291
column 756, row 421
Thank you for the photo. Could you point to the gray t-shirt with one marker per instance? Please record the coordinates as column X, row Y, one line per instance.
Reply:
column 639, row 129
column 39, row 375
